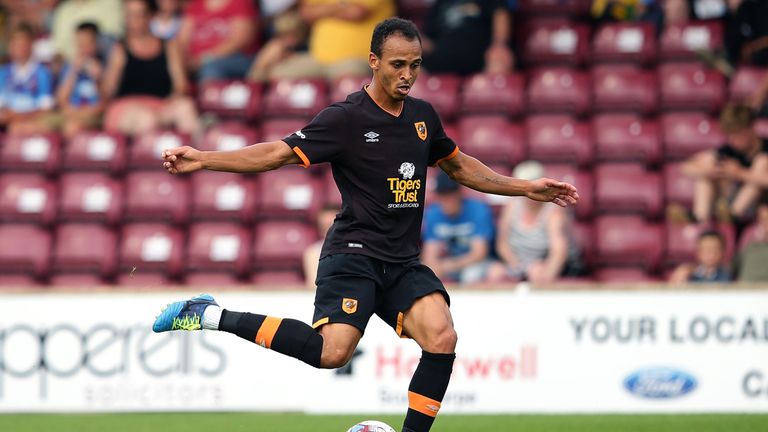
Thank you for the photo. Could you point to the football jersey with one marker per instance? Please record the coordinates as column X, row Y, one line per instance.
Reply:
column 379, row 162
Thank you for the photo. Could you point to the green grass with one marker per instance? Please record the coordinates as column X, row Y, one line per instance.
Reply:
column 251, row 422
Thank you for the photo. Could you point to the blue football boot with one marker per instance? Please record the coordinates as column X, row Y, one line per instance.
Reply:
column 183, row 315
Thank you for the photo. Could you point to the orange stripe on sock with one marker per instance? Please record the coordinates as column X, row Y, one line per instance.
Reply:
column 267, row 331
column 423, row 404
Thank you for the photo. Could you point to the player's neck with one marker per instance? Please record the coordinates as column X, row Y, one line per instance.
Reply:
column 383, row 100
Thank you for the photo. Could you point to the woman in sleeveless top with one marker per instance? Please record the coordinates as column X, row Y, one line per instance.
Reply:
column 533, row 240
column 146, row 78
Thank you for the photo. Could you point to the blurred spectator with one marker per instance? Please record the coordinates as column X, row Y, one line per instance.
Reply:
column 624, row 10
column 761, row 97
column 709, row 9
column 290, row 36
column 106, row 14
column 750, row 264
column 746, row 32
column 147, row 76
column 272, row 8
column 457, row 234
column 676, row 12
column 709, row 266
column 218, row 38
column 324, row 221
column 732, row 176
column 167, row 21
column 468, row 36
column 339, row 40
column 533, row 239
column 26, row 86
column 36, row 13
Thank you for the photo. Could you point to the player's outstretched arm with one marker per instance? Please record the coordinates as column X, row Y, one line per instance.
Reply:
column 476, row 175
column 252, row 159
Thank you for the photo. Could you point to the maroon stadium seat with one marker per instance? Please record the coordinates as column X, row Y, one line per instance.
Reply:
column 625, row 137
column 76, row 280
column 628, row 240
column 627, row 187
column 563, row 43
column 492, row 139
column 229, row 136
column 442, row 91
column 584, row 236
column 91, row 150
column 583, row 181
column 231, row 98
column 624, row 88
column 156, row 195
column 281, row 244
column 633, row 42
column 559, row 138
column 212, row 280
column 146, row 150
column 36, row 152
column 17, row 281
column 687, row 133
column 681, row 41
column 276, row 280
column 618, row 275
column 682, row 239
column 555, row 7
column 223, row 196
column 85, row 248
column 217, row 246
column 332, row 194
column 152, row 247
column 493, row 94
column 745, row 81
column 24, row 249
column 277, row 129
column 93, row 197
column 141, row 279
column 27, row 198
column 559, row 90
column 343, row 86
column 678, row 187
column 289, row 192
column 296, row 98
column 691, row 86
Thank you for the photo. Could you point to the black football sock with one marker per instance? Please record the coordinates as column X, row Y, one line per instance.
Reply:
column 428, row 386
column 286, row 336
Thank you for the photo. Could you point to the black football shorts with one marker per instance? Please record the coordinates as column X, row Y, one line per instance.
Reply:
column 352, row 287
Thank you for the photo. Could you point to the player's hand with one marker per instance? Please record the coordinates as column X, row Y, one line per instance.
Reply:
column 180, row 160
column 548, row 190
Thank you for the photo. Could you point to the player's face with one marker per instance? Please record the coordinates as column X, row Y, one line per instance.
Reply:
column 398, row 66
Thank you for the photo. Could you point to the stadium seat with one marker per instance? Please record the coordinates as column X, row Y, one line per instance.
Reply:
column 94, row 197
column 151, row 247
column 156, row 195
column 556, row 43
column 278, row 280
column 492, row 139
column 678, row 187
column 280, row 245
column 85, row 248
column 493, row 94
column 229, row 136
column 682, row 41
column 626, row 137
column 682, row 238
column 27, row 198
column 140, row 279
column 627, row 187
column 25, row 249
column 332, row 193
column 583, row 181
column 584, row 236
column 92, row 150
column 555, row 7
column 22, row 281
column 684, row 134
column 241, row 99
column 624, row 88
column 559, row 138
column 628, row 42
column 745, row 81
column 343, row 86
column 295, row 98
column 619, row 275
column 40, row 153
column 289, row 192
column 442, row 91
column 628, row 241
column 217, row 246
column 761, row 126
column 277, row 129
column 691, row 86
column 74, row 281
column 223, row 196
column 146, row 150
column 559, row 90
column 211, row 280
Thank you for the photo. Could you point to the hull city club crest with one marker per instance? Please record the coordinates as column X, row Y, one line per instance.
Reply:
column 421, row 129
column 349, row 305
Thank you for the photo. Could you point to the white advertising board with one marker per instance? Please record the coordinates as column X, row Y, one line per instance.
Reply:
column 536, row 352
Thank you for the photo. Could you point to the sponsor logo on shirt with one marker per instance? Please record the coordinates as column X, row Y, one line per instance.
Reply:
column 371, row 137
column 405, row 190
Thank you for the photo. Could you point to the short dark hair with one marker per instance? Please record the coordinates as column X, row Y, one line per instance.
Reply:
column 390, row 27
column 151, row 5
column 88, row 26
column 24, row 28
column 714, row 234
column 736, row 117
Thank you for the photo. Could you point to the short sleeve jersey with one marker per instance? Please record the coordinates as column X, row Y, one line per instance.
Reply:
column 379, row 163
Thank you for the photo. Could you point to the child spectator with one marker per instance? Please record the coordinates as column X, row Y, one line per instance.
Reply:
column 709, row 266
column 106, row 14
column 167, row 21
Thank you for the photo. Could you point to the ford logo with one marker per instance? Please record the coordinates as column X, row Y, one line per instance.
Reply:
column 660, row 383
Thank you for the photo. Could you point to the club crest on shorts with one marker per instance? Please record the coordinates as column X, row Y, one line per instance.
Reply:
column 349, row 305
column 421, row 129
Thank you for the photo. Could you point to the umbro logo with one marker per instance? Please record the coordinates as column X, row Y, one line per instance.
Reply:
column 371, row 137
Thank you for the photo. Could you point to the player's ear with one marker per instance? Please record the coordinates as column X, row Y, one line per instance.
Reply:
column 373, row 61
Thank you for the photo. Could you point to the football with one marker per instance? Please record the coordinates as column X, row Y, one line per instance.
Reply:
column 371, row 426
